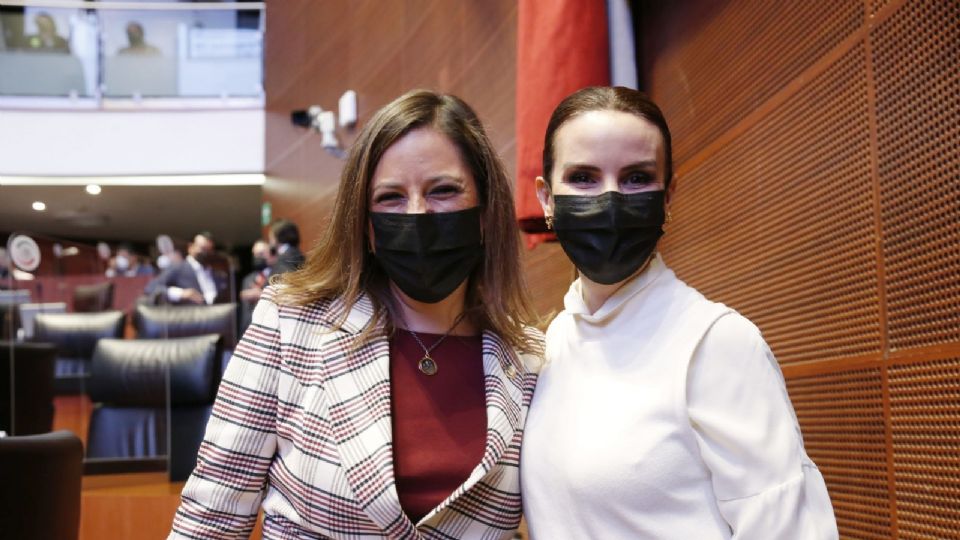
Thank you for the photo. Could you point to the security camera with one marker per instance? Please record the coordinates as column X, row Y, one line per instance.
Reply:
column 307, row 118
column 324, row 122
column 301, row 118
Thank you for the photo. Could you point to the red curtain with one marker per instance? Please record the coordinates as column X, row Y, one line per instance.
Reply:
column 562, row 46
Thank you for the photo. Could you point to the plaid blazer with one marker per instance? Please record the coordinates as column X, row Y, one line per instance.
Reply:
column 302, row 427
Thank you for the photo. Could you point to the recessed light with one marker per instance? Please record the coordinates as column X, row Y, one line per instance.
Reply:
column 93, row 189
column 39, row 206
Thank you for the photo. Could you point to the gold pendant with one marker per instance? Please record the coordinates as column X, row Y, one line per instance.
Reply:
column 427, row 366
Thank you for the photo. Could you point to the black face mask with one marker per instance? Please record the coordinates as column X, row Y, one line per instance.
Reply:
column 609, row 236
column 428, row 255
column 205, row 258
column 259, row 263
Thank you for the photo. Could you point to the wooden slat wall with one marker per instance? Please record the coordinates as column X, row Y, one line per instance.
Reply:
column 818, row 167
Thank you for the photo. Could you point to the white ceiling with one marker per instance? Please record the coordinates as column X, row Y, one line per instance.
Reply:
column 134, row 213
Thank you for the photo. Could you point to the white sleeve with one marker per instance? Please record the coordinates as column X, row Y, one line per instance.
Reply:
column 749, row 438
column 174, row 294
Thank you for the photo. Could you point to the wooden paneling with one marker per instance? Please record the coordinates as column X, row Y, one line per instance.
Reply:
column 817, row 192
column 719, row 60
column 924, row 408
column 841, row 415
column 916, row 60
column 549, row 273
column 787, row 207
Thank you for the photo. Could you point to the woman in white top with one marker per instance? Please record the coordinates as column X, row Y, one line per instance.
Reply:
column 659, row 414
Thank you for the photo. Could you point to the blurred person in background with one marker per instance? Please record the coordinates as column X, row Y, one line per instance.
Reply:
column 11, row 27
column 128, row 263
column 193, row 281
column 138, row 45
column 254, row 282
column 260, row 262
column 46, row 39
column 169, row 255
column 285, row 246
column 4, row 267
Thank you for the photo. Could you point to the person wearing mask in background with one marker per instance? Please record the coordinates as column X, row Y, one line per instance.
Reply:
column 46, row 39
column 381, row 390
column 285, row 246
column 128, row 264
column 659, row 414
column 253, row 283
column 256, row 280
column 194, row 280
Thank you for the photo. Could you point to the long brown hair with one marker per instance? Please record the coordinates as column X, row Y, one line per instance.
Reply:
column 342, row 266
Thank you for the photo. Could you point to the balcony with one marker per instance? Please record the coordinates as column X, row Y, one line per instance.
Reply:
column 108, row 54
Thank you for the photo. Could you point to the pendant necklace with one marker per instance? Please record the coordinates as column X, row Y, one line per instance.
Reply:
column 427, row 365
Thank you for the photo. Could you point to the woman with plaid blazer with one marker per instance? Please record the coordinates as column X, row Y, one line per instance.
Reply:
column 381, row 390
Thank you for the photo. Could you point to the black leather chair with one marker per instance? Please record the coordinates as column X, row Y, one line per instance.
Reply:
column 129, row 386
column 26, row 387
column 167, row 321
column 75, row 336
column 93, row 298
column 156, row 322
column 40, row 486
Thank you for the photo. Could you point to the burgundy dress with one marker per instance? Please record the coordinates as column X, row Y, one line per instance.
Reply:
column 439, row 421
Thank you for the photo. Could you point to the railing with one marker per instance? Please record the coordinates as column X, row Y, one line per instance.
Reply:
column 97, row 51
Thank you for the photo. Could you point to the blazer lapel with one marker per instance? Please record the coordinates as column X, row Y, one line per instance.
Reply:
column 358, row 385
column 504, row 377
column 507, row 381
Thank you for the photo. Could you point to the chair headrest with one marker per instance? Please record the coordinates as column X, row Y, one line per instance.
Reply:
column 156, row 322
column 32, row 447
column 26, row 350
column 96, row 297
column 135, row 372
column 76, row 334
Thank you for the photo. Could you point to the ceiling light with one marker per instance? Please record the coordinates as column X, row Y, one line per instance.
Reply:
column 39, row 206
column 93, row 189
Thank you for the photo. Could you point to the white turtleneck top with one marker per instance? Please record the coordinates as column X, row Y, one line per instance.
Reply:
column 664, row 415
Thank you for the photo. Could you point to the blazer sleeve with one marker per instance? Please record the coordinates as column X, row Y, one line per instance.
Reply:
column 749, row 438
column 222, row 497
column 158, row 284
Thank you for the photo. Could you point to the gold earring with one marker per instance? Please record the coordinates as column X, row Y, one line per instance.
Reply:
column 549, row 220
column 669, row 217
